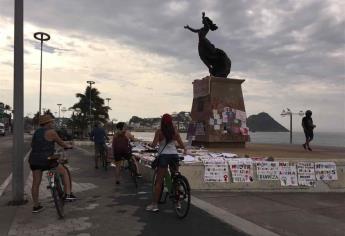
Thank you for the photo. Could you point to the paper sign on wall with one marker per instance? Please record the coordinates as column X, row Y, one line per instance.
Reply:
column 287, row 174
column 216, row 173
column 306, row 173
column 267, row 170
column 326, row 171
column 241, row 170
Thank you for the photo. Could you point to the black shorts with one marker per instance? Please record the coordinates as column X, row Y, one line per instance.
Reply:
column 99, row 147
column 51, row 165
column 309, row 134
column 121, row 157
column 165, row 160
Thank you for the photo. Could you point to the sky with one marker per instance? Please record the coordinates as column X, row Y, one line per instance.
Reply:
column 291, row 54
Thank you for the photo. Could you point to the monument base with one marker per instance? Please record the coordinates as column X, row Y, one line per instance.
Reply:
column 218, row 113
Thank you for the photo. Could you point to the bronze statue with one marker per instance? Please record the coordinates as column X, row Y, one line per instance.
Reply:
column 215, row 59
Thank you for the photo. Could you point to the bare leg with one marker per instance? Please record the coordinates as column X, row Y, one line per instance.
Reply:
column 118, row 170
column 136, row 164
column 66, row 182
column 36, row 181
column 161, row 172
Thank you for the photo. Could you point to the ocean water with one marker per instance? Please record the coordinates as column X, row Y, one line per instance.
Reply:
column 322, row 138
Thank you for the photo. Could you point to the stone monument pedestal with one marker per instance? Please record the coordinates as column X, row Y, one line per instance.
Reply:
column 218, row 113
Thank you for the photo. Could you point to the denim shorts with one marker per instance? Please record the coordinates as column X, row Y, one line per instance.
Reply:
column 165, row 160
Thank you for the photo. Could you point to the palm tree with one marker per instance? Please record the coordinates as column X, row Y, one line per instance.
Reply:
column 35, row 119
column 99, row 112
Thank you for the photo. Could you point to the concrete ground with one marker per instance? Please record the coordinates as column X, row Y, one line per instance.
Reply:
column 103, row 209
column 107, row 209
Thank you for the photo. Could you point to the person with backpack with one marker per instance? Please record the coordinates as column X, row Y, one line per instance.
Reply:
column 122, row 149
column 166, row 137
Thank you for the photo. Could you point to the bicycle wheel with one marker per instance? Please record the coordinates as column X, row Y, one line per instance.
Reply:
column 58, row 201
column 181, row 191
column 162, row 197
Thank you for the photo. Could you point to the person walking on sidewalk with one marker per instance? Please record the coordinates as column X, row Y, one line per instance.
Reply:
column 166, row 136
column 308, row 127
column 122, row 149
column 43, row 146
column 99, row 137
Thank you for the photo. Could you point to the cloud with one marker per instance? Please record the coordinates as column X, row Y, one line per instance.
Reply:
column 290, row 52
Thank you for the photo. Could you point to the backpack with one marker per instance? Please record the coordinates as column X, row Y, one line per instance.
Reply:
column 121, row 145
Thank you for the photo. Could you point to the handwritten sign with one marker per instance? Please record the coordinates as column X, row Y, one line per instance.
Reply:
column 241, row 170
column 326, row 171
column 267, row 170
column 306, row 173
column 287, row 174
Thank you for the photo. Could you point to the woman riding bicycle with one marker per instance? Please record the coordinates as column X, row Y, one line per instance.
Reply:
column 122, row 149
column 166, row 136
column 43, row 147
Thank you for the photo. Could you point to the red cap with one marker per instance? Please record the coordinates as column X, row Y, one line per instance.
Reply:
column 167, row 119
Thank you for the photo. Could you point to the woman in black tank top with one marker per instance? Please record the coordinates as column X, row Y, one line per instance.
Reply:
column 43, row 143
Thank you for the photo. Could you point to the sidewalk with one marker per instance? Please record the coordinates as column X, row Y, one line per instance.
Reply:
column 103, row 209
column 107, row 209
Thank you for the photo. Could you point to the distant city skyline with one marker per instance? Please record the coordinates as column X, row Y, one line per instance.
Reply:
column 291, row 54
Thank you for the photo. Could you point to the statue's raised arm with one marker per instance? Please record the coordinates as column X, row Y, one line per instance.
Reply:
column 215, row 59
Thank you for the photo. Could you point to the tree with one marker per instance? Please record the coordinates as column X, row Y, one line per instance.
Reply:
column 35, row 119
column 99, row 111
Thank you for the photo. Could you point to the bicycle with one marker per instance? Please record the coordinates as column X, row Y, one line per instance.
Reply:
column 133, row 170
column 55, row 184
column 175, row 187
column 103, row 156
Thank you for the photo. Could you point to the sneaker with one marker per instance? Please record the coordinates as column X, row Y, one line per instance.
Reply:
column 70, row 197
column 37, row 209
column 152, row 207
column 305, row 147
column 117, row 182
column 139, row 176
column 178, row 205
column 310, row 149
column 96, row 167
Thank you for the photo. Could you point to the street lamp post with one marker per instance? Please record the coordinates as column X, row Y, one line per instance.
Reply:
column 18, row 106
column 289, row 113
column 41, row 36
column 108, row 99
column 91, row 83
column 59, row 104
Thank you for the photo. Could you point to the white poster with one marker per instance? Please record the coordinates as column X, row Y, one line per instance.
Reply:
column 287, row 174
column 217, row 127
column 326, row 171
column 241, row 170
column 241, row 115
column 267, row 170
column 306, row 173
column 216, row 173
column 211, row 121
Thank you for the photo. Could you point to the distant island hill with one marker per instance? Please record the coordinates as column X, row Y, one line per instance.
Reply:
column 261, row 122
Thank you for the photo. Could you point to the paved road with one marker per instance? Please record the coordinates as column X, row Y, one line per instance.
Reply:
column 106, row 209
column 6, row 155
